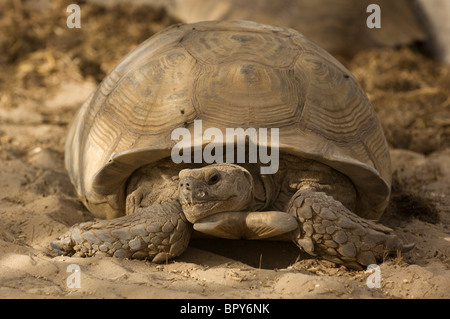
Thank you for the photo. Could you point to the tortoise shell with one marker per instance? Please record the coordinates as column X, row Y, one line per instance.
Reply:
column 227, row 74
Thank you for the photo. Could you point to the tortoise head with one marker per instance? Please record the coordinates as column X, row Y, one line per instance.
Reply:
column 218, row 200
column 213, row 189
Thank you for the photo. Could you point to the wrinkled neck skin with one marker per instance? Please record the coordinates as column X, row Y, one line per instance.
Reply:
column 240, row 188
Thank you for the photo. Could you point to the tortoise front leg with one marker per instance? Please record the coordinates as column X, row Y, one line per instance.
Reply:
column 329, row 230
column 157, row 233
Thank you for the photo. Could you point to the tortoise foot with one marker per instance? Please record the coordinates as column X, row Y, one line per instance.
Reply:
column 156, row 233
column 327, row 229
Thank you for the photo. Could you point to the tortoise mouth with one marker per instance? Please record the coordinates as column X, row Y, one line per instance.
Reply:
column 246, row 225
column 197, row 210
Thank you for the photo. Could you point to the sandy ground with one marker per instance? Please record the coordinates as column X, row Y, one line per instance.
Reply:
column 48, row 70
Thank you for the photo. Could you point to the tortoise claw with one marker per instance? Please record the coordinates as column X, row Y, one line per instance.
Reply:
column 330, row 231
column 408, row 247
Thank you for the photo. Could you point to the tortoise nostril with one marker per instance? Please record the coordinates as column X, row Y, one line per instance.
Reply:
column 187, row 184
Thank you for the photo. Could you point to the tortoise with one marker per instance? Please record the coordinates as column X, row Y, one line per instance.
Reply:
column 333, row 174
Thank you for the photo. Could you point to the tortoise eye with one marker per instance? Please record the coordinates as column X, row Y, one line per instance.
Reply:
column 214, row 179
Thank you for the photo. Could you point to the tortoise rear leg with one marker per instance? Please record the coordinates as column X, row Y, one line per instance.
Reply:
column 329, row 230
column 157, row 233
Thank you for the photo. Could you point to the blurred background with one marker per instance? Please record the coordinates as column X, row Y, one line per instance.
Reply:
column 39, row 52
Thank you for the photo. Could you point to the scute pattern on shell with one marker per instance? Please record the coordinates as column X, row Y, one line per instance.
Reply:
column 228, row 74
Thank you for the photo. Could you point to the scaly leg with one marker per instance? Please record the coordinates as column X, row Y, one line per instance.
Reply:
column 157, row 233
column 329, row 230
